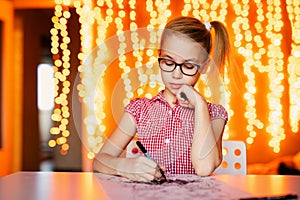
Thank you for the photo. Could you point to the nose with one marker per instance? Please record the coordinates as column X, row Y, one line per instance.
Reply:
column 177, row 72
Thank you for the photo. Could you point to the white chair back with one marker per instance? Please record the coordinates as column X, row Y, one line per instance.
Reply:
column 234, row 158
column 132, row 150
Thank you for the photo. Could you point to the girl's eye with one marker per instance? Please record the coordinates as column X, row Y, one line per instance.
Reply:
column 188, row 66
column 169, row 63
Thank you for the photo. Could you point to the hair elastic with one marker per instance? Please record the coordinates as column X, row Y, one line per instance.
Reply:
column 207, row 25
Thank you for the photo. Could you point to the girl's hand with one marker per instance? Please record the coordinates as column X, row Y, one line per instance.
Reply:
column 140, row 168
column 187, row 96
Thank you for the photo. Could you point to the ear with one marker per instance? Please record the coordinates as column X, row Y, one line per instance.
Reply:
column 205, row 66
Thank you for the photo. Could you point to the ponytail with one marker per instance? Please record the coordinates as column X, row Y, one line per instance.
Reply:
column 221, row 45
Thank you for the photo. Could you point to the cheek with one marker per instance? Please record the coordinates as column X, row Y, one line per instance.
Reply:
column 164, row 76
column 192, row 80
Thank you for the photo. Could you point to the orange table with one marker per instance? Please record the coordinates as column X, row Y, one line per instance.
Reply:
column 89, row 186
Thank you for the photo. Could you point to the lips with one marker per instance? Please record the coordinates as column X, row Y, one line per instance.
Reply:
column 175, row 86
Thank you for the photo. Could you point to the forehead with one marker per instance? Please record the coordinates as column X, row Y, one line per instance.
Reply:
column 182, row 47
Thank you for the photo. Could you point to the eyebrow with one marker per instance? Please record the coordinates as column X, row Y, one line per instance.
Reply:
column 191, row 60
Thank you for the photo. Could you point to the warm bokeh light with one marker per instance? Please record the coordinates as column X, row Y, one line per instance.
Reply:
column 258, row 41
column 61, row 67
column 294, row 64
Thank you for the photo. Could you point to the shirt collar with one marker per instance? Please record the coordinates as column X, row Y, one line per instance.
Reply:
column 160, row 97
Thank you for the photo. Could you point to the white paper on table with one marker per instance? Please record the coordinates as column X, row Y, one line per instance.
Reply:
column 196, row 187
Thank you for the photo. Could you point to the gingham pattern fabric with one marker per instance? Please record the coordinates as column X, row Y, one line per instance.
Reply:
column 167, row 132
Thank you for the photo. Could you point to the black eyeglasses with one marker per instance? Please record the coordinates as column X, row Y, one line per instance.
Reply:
column 168, row 65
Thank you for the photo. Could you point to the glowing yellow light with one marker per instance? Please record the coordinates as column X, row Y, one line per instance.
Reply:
column 51, row 143
column 293, row 65
column 65, row 133
column 56, row 118
column 58, row 63
column 91, row 155
column 250, row 140
column 65, row 147
column 224, row 151
column 62, row 127
column 66, row 14
column 61, row 66
column 61, row 140
column 54, row 131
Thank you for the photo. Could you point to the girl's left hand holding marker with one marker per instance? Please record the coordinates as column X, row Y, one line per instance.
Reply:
column 139, row 168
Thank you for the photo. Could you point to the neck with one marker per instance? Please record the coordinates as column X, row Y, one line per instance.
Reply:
column 170, row 97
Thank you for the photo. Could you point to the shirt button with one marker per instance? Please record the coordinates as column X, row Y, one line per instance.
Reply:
column 167, row 141
column 170, row 112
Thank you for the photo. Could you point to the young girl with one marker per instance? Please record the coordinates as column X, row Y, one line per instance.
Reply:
column 178, row 127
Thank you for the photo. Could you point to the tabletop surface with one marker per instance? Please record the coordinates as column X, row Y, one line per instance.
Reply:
column 87, row 185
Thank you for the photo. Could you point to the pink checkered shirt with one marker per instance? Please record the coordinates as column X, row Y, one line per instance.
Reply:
column 167, row 132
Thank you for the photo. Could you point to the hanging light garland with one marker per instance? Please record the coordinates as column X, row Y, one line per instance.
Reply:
column 158, row 19
column 294, row 64
column 61, row 55
column 259, row 46
column 275, row 74
column 243, row 43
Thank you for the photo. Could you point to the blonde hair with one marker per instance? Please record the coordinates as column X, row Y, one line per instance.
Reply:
column 196, row 30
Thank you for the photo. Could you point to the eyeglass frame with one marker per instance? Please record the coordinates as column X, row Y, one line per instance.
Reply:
column 180, row 66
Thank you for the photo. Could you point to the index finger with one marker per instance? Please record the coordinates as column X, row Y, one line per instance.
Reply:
column 183, row 95
column 149, row 162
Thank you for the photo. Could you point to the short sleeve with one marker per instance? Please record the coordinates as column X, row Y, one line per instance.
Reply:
column 134, row 108
column 217, row 111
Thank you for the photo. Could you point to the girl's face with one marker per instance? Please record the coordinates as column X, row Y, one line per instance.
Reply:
column 181, row 49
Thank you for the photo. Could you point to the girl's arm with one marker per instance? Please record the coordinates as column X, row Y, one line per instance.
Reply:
column 108, row 160
column 206, row 152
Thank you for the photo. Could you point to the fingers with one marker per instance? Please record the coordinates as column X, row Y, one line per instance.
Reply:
column 183, row 96
column 143, row 169
column 154, row 170
column 157, row 174
column 145, row 177
column 187, row 96
column 182, row 99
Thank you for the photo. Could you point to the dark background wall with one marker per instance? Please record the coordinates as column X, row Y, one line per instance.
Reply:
column 36, row 28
